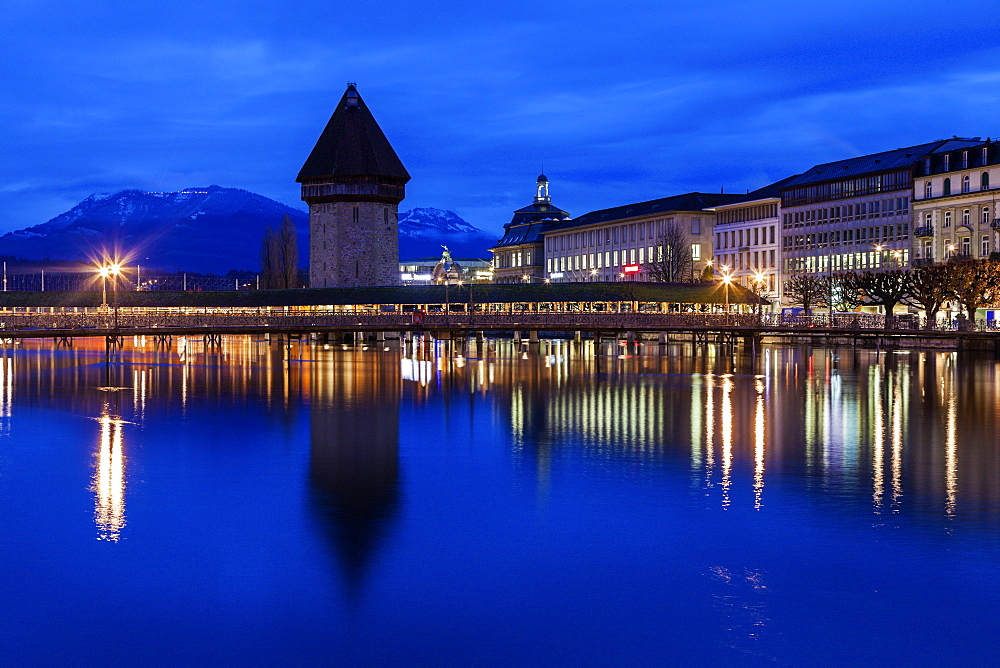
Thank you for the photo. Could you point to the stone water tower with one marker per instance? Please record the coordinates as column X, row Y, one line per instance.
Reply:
column 353, row 182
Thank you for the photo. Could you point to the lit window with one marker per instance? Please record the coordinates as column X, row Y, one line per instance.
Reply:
column 696, row 252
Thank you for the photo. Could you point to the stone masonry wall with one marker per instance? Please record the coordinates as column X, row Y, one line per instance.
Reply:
column 345, row 253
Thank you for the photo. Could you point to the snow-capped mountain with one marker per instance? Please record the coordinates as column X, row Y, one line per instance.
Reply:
column 210, row 230
column 423, row 231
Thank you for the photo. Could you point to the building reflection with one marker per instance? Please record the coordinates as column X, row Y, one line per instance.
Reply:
column 354, row 453
column 850, row 420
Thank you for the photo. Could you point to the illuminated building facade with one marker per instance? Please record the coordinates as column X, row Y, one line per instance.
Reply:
column 519, row 255
column 748, row 241
column 854, row 214
column 621, row 242
column 954, row 204
column 353, row 182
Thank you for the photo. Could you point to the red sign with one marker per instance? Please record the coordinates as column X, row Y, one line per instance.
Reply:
column 630, row 269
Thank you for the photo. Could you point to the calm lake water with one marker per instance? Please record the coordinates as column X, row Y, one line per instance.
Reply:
column 257, row 504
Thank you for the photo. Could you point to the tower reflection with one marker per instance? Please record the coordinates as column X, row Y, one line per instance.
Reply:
column 354, row 463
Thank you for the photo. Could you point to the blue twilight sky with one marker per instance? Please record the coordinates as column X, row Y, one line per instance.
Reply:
column 619, row 101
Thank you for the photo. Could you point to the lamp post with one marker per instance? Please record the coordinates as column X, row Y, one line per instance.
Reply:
column 726, row 280
column 951, row 251
column 110, row 270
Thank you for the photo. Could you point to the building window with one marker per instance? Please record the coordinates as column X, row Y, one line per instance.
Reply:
column 947, row 218
column 927, row 165
column 966, row 184
column 985, row 216
column 985, row 181
column 984, row 249
column 946, row 166
column 947, row 186
column 696, row 226
column 928, row 190
column 965, row 159
column 986, row 156
column 966, row 246
column 355, row 215
column 966, row 216
column 696, row 252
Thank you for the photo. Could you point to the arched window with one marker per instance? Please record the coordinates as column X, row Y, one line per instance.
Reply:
column 928, row 190
column 985, row 181
column 947, row 187
column 966, row 184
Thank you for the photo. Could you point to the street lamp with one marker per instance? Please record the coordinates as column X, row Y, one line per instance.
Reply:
column 113, row 270
column 593, row 272
column 727, row 279
column 951, row 251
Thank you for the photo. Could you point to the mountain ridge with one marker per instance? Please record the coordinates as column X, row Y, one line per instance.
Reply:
column 208, row 229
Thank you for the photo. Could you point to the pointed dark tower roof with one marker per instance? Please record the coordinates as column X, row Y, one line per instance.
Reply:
column 352, row 144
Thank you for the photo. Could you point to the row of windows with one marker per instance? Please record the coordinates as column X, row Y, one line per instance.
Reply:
column 737, row 239
column 754, row 261
column 630, row 256
column 847, row 262
column 964, row 247
column 893, row 206
column 615, row 235
column 961, row 161
column 510, row 259
column 848, row 188
column 946, row 216
column 984, row 184
column 863, row 235
column 743, row 214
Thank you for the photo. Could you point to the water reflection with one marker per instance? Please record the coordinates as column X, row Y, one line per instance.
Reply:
column 892, row 433
column 109, row 477
column 354, row 453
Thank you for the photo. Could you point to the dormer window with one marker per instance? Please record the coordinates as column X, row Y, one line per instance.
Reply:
column 965, row 159
column 946, row 165
column 986, row 155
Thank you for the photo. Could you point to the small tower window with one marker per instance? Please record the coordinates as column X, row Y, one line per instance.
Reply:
column 355, row 215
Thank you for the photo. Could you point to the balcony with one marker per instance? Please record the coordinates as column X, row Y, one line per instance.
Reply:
column 925, row 231
column 995, row 224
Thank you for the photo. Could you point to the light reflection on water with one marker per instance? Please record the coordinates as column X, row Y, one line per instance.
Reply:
column 482, row 476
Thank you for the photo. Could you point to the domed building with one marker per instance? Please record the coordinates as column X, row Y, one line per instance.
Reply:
column 519, row 256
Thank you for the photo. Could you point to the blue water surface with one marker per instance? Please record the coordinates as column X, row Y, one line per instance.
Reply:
column 552, row 504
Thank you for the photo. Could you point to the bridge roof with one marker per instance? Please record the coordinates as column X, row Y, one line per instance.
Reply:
column 676, row 293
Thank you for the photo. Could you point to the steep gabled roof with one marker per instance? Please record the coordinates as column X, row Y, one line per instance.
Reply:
column 900, row 158
column 352, row 144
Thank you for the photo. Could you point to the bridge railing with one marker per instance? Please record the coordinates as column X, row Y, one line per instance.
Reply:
column 489, row 321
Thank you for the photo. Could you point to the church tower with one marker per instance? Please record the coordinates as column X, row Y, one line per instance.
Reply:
column 353, row 183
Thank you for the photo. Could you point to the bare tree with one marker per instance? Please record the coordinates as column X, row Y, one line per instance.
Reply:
column 807, row 290
column 930, row 287
column 671, row 261
column 976, row 283
column 879, row 288
column 279, row 257
column 289, row 253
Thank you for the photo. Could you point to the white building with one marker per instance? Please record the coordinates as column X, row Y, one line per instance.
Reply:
column 620, row 243
column 954, row 203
